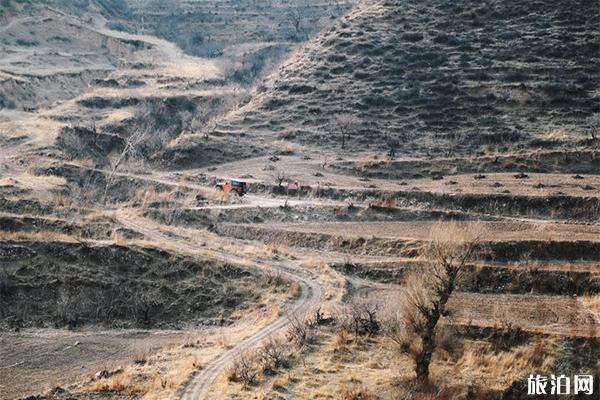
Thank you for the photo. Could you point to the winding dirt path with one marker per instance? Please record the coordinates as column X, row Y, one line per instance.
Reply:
column 311, row 294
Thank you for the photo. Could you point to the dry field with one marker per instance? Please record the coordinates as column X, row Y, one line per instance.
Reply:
column 415, row 130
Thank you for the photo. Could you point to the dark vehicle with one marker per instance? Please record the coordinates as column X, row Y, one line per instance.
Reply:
column 241, row 188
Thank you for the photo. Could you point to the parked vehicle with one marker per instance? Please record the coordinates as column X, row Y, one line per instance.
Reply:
column 240, row 187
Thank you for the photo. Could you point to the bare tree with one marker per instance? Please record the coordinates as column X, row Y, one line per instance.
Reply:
column 146, row 303
column 155, row 126
column 280, row 177
column 130, row 148
column 325, row 162
column 413, row 326
column 344, row 123
column 594, row 126
column 295, row 16
column 392, row 144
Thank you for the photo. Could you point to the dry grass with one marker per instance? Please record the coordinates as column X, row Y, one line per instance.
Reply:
column 145, row 196
column 295, row 290
column 357, row 392
column 117, row 237
column 43, row 236
column 123, row 382
column 62, row 200
column 340, row 341
column 140, row 358
column 334, row 282
column 480, row 364
column 155, row 376
column 281, row 383
column 593, row 303
column 221, row 197
column 388, row 202
column 558, row 134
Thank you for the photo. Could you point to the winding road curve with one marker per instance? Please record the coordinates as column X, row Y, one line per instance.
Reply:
column 311, row 294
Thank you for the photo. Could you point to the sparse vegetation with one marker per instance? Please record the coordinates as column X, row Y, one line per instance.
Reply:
column 358, row 127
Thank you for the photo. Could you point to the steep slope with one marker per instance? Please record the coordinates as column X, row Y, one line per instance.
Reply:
column 440, row 76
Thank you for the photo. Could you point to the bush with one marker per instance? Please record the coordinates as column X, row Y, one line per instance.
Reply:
column 506, row 336
column 272, row 356
column 412, row 36
column 360, row 318
column 243, row 370
column 299, row 332
column 7, row 286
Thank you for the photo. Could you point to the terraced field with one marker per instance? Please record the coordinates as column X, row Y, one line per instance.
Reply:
column 363, row 130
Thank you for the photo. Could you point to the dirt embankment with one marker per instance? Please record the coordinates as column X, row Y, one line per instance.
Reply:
column 507, row 250
column 46, row 284
column 566, row 162
column 564, row 207
column 208, row 216
column 519, row 278
column 25, row 206
column 532, row 280
column 91, row 183
column 101, row 228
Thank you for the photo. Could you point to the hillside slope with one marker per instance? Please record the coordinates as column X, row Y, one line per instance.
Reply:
column 440, row 76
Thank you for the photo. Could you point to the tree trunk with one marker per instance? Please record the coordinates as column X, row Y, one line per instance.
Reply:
column 423, row 357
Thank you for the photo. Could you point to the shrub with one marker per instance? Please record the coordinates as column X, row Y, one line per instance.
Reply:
column 299, row 332
column 412, row 36
column 360, row 318
column 243, row 370
column 271, row 356
column 506, row 335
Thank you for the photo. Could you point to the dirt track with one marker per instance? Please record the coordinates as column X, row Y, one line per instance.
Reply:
column 310, row 297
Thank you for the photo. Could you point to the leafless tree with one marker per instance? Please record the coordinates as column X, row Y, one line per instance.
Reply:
column 345, row 123
column 594, row 126
column 130, row 149
column 280, row 177
column 392, row 144
column 295, row 16
column 146, row 303
column 423, row 302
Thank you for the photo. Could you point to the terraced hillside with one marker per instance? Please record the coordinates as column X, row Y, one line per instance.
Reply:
column 383, row 136
column 261, row 30
column 440, row 77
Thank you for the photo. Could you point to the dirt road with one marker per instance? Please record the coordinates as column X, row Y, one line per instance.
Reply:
column 311, row 294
